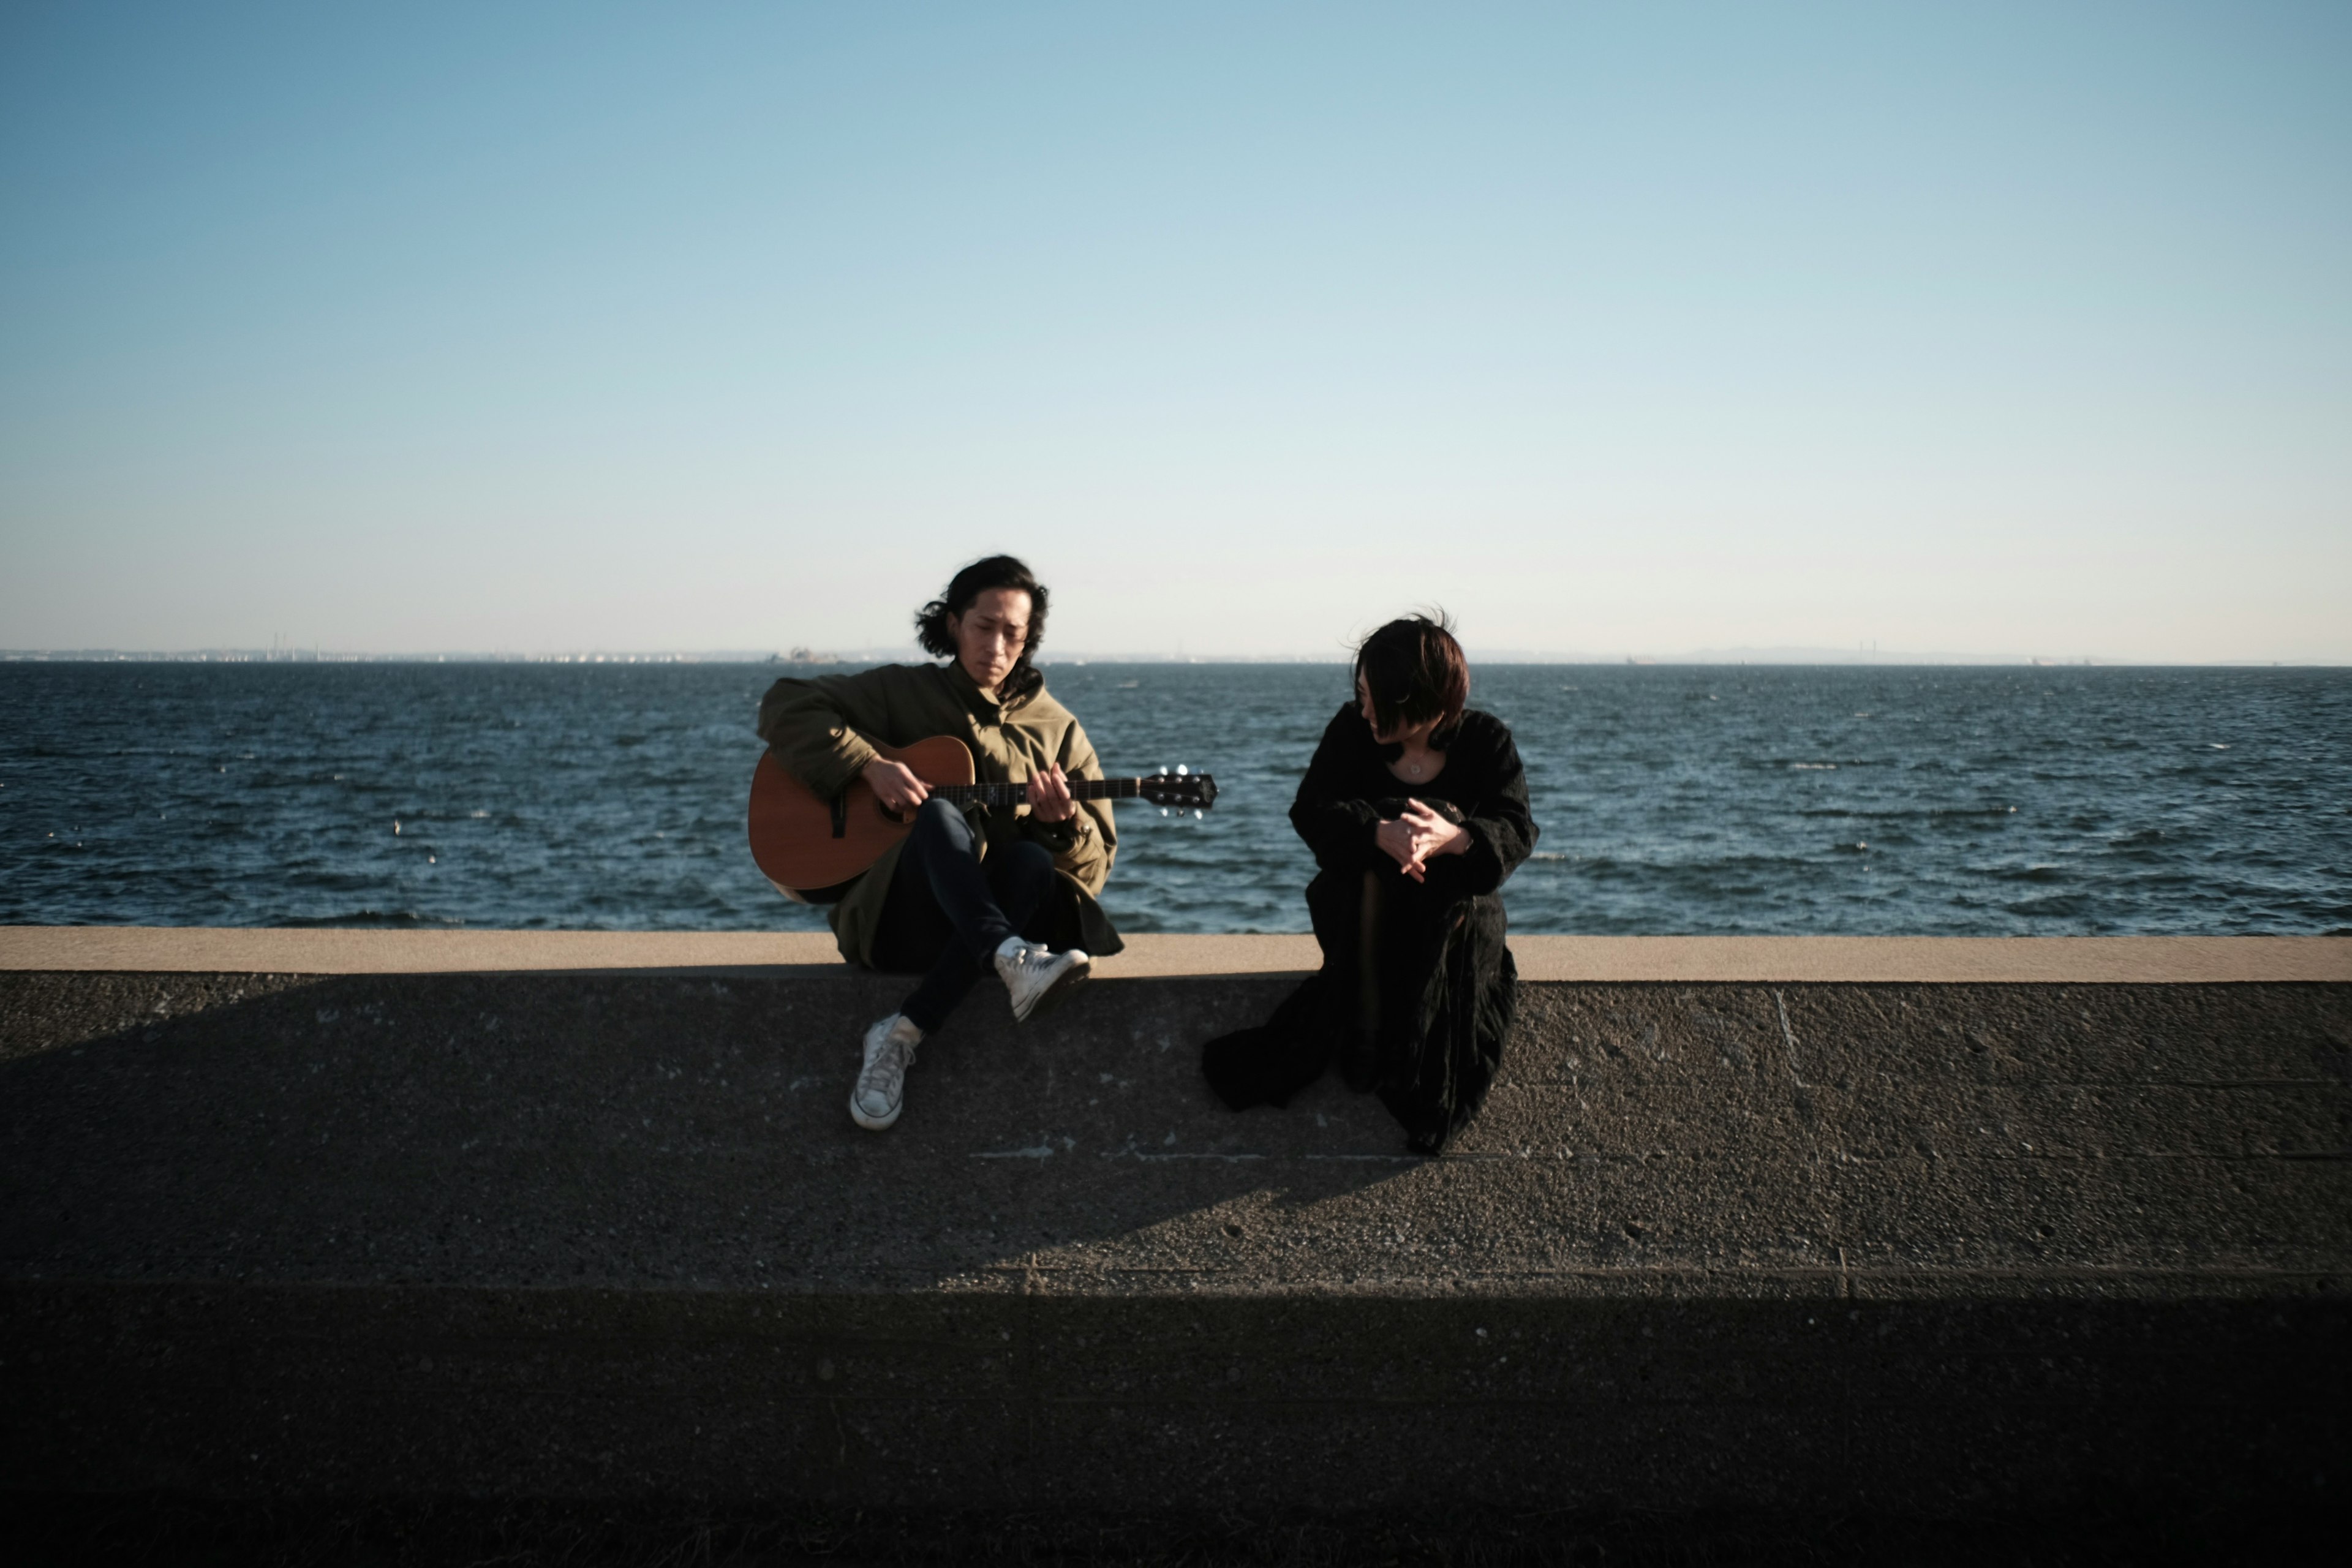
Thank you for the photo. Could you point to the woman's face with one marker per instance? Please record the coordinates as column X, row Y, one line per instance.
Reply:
column 1408, row 734
column 991, row 634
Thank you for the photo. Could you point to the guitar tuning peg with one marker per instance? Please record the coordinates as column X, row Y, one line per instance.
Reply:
column 1199, row 815
column 1164, row 811
column 1182, row 770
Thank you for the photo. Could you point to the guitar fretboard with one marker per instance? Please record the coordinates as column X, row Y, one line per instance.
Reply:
column 995, row 794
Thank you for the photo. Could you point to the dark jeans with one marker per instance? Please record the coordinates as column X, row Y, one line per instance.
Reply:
column 949, row 910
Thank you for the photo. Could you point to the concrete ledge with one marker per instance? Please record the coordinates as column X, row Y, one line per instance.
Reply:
column 601, row 1229
column 2123, row 961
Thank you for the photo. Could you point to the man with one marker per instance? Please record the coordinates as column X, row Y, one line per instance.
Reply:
column 1005, row 889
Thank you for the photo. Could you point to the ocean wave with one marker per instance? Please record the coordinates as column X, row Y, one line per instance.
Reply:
column 2039, row 872
column 2055, row 904
column 1906, row 813
column 1993, row 801
column 372, row 919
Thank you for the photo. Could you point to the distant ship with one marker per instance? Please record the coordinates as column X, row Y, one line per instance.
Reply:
column 803, row 656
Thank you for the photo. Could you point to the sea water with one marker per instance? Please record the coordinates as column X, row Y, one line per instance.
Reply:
column 1764, row 799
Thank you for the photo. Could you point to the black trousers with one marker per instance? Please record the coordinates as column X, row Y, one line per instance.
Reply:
column 948, row 911
column 1447, row 993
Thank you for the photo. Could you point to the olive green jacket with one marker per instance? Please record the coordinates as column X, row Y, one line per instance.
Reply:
column 824, row 732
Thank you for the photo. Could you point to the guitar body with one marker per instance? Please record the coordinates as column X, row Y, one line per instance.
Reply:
column 800, row 843
column 804, row 842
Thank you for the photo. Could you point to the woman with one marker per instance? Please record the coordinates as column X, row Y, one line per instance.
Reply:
column 1416, row 809
column 1003, row 888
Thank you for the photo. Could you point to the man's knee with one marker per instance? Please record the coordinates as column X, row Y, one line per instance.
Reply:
column 938, row 820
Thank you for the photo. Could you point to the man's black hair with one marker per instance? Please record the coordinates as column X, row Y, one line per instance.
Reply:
column 932, row 631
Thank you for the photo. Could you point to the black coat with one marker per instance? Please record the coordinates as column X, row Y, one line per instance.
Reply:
column 1447, row 986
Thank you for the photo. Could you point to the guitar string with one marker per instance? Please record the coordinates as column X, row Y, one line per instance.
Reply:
column 1084, row 789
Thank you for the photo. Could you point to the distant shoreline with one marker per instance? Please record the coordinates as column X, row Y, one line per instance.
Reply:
column 861, row 658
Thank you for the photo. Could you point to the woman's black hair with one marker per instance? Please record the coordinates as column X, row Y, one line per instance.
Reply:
column 993, row 572
column 1415, row 671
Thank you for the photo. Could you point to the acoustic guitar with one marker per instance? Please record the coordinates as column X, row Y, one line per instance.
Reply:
column 804, row 842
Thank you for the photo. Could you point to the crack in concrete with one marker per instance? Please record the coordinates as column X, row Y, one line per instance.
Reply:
column 1789, row 1039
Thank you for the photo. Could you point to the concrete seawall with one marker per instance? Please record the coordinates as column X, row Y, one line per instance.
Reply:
column 1907, row 1229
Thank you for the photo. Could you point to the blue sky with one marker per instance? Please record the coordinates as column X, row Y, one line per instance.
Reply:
column 1976, row 329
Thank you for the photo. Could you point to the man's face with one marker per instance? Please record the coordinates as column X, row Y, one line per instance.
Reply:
column 991, row 634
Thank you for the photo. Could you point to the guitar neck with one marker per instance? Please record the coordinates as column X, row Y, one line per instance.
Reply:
column 996, row 794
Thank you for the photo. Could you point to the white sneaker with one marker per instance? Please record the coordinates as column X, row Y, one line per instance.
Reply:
column 1039, row 981
column 881, row 1092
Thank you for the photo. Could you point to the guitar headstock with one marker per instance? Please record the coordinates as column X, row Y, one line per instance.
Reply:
column 1178, row 791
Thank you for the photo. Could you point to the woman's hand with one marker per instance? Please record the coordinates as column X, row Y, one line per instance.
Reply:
column 1432, row 835
column 1394, row 835
column 896, row 786
column 1411, row 839
column 1049, row 796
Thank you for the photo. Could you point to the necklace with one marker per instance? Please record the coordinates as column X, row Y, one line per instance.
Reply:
column 1414, row 768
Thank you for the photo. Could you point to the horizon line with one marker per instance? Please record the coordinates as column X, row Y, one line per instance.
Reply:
column 867, row 656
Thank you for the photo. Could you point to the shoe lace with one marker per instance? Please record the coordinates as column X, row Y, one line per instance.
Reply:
column 895, row 1056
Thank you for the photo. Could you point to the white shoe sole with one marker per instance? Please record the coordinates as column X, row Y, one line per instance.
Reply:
column 1057, row 993
column 874, row 1123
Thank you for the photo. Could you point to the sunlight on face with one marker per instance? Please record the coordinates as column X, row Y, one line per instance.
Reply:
column 1404, row 734
column 1364, row 706
column 991, row 634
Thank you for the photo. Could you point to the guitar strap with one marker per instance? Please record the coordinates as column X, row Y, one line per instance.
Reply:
column 841, row 814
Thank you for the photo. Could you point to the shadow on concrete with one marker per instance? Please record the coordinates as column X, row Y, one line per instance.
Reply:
column 635, row 1131
column 415, row 1533
column 1945, row 1253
